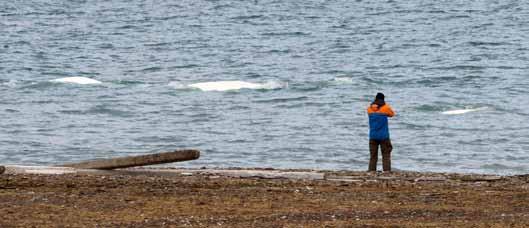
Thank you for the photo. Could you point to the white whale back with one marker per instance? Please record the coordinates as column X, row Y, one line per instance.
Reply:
column 225, row 85
column 77, row 80
column 462, row 111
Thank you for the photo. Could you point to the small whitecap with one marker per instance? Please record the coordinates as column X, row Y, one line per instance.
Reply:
column 343, row 80
column 177, row 85
column 77, row 80
column 11, row 83
column 271, row 85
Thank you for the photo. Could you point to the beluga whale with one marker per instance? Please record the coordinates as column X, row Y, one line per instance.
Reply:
column 77, row 80
column 462, row 111
column 226, row 85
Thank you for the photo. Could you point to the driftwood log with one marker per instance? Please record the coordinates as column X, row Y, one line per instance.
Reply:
column 141, row 160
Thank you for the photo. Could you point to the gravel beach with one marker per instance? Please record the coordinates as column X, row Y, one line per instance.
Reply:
column 341, row 199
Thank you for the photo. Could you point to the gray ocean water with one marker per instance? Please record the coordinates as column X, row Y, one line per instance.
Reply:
column 314, row 68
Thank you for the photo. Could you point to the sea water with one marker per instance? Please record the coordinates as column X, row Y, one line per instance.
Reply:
column 266, row 83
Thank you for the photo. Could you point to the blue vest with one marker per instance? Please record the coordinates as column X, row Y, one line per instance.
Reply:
column 378, row 126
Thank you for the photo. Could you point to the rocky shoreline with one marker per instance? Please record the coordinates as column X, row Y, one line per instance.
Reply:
column 261, row 198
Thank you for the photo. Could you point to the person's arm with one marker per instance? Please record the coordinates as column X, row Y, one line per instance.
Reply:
column 370, row 110
column 386, row 109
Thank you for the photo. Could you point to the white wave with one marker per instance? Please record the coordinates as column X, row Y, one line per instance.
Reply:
column 343, row 80
column 462, row 111
column 177, row 85
column 11, row 83
column 230, row 85
column 274, row 85
column 77, row 80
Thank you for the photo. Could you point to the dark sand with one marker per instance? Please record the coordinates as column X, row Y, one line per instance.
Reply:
column 363, row 200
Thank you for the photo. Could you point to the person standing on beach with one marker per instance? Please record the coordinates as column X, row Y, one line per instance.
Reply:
column 378, row 113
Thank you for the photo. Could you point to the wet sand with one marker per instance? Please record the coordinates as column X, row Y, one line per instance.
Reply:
column 342, row 199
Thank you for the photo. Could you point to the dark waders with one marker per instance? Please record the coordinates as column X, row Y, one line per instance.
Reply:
column 385, row 147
